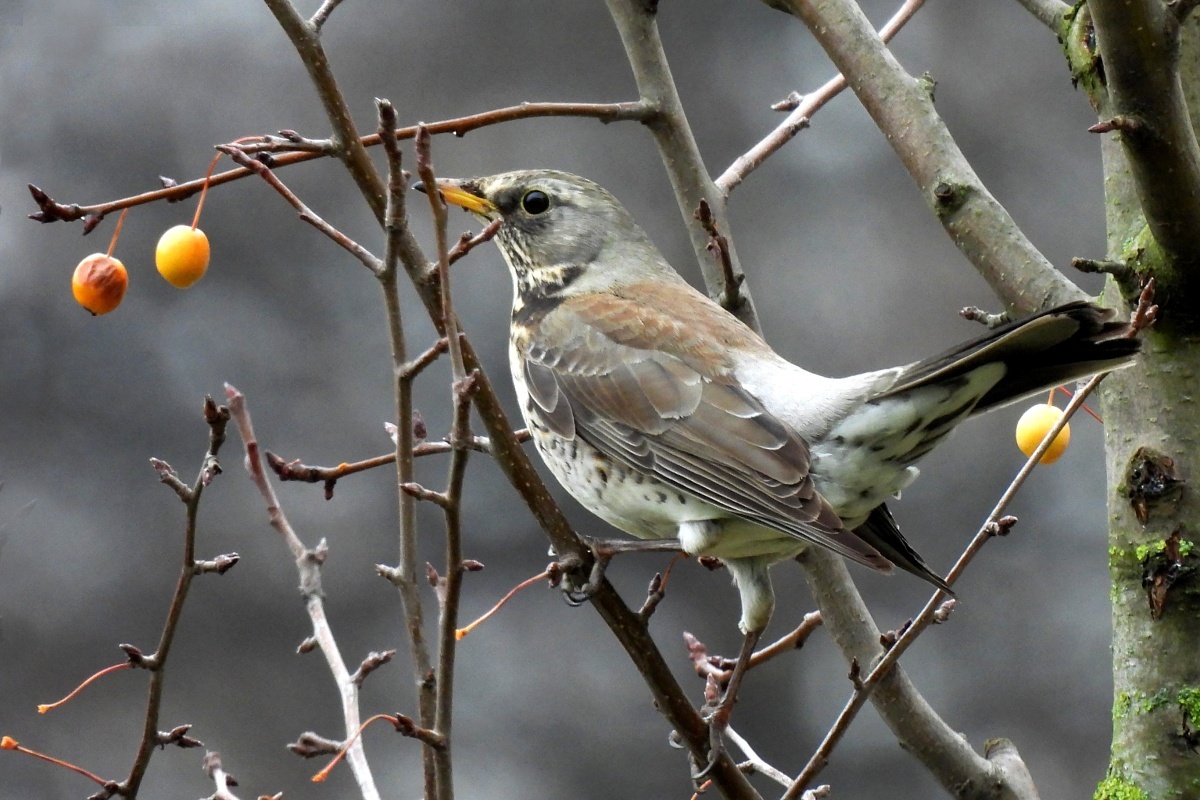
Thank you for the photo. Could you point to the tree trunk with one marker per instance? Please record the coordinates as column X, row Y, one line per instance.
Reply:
column 1152, row 429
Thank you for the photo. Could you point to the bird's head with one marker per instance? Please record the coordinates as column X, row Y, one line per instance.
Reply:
column 560, row 234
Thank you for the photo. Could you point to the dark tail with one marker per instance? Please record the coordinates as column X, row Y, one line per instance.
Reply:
column 881, row 532
column 1048, row 349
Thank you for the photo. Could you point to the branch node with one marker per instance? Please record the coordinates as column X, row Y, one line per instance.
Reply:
column 421, row 493
column 928, row 84
column 1002, row 526
column 789, row 103
column 731, row 298
column 167, row 475
column 1118, row 269
column 944, row 610
column 137, row 658
column 976, row 314
column 949, row 197
column 178, row 737
column 855, row 675
column 390, row 574
column 1125, row 123
column 405, row 726
column 372, row 662
column 310, row 745
column 220, row 565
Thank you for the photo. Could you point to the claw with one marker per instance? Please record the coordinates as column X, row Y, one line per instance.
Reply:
column 716, row 747
column 602, row 551
column 722, row 712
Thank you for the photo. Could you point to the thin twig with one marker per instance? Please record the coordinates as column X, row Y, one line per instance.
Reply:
column 348, row 146
column 803, row 111
column 339, row 238
column 987, row 318
column 296, row 471
column 466, row 243
column 754, row 762
column 437, row 207
column 404, row 576
column 636, row 23
column 51, row 210
column 991, row 525
column 902, row 108
column 731, row 280
column 722, row 668
column 216, row 418
column 308, row 565
column 413, row 368
column 451, row 585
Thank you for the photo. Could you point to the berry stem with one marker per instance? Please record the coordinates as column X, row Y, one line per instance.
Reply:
column 11, row 744
column 204, row 191
column 462, row 632
column 116, row 233
column 324, row 773
column 42, row 709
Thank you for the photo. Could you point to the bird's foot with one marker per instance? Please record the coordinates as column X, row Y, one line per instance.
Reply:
column 721, row 711
column 602, row 551
column 718, row 721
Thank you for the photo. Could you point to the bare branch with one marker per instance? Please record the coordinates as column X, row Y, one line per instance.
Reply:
column 718, row 245
column 308, row 564
column 348, row 147
column 903, row 110
column 51, row 210
column 915, row 724
column 1051, row 13
column 216, row 418
column 451, row 585
column 368, row 260
column 1118, row 269
column 802, row 108
column 402, row 249
column 437, row 206
column 635, row 21
column 1139, row 41
column 754, row 762
column 467, row 242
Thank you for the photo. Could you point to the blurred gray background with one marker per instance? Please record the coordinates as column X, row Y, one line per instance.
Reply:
column 850, row 270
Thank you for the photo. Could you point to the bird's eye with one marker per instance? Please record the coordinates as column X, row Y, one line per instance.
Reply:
column 535, row 202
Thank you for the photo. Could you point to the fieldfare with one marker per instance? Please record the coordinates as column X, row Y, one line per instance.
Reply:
column 667, row 417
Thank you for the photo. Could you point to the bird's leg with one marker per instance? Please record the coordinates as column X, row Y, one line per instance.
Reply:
column 758, row 601
column 603, row 551
column 718, row 718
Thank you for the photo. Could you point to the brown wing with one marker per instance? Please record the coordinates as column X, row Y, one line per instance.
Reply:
column 676, row 414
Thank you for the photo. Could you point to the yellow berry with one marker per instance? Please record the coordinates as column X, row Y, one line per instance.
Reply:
column 1033, row 426
column 182, row 255
column 99, row 283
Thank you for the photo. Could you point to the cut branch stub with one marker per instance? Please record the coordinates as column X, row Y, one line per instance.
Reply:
column 1152, row 483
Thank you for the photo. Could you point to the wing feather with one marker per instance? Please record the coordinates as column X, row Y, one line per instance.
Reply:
column 676, row 415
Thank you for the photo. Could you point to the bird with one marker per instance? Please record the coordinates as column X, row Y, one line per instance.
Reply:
column 664, row 415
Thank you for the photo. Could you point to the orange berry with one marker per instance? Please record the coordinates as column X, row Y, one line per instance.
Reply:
column 1033, row 426
column 182, row 255
column 99, row 283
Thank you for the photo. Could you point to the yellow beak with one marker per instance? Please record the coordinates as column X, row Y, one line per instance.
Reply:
column 453, row 193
